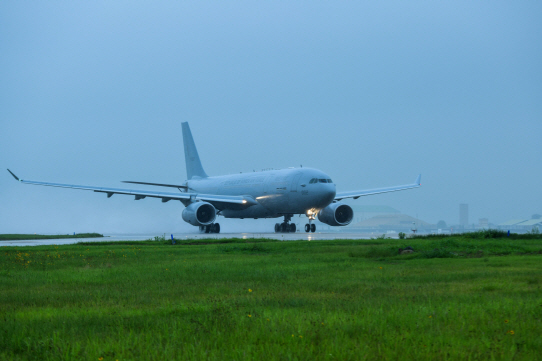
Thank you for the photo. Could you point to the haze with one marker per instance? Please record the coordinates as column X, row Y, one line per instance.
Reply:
column 372, row 94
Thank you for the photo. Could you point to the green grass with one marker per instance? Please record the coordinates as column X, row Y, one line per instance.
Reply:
column 261, row 299
column 449, row 247
column 20, row 237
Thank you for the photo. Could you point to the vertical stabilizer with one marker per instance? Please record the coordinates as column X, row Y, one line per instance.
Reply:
column 191, row 157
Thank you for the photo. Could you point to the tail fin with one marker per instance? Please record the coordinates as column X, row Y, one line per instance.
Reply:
column 191, row 157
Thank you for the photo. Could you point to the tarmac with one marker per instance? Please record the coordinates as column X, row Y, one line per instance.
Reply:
column 298, row 236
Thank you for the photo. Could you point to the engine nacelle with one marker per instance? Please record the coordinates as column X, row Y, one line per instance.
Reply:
column 199, row 214
column 336, row 214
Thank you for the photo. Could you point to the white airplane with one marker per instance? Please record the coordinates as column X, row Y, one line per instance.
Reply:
column 266, row 194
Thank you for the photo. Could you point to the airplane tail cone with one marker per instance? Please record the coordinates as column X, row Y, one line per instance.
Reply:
column 193, row 164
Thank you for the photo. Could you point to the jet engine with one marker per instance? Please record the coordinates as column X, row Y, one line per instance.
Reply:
column 199, row 214
column 336, row 214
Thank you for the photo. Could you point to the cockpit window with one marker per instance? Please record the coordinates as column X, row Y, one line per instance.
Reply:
column 316, row 180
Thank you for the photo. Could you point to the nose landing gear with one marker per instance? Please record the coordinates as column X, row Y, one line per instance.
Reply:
column 286, row 226
column 311, row 227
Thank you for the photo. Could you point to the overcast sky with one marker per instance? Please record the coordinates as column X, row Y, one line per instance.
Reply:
column 372, row 93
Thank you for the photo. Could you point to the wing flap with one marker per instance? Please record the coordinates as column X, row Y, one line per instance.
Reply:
column 157, row 184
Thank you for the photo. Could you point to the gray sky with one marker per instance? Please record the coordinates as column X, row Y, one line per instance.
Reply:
column 370, row 93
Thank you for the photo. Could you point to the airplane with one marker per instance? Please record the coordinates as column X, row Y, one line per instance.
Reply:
column 265, row 194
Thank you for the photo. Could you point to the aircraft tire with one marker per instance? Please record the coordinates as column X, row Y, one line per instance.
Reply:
column 216, row 228
column 277, row 228
column 207, row 229
column 201, row 229
column 307, row 227
column 284, row 227
column 313, row 228
column 292, row 228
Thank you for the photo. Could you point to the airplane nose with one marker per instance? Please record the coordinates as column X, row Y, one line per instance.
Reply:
column 329, row 192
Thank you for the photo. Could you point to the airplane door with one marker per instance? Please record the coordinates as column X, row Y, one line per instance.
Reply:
column 295, row 182
column 266, row 184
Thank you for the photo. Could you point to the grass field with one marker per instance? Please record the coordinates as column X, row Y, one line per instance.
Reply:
column 460, row 297
column 19, row 237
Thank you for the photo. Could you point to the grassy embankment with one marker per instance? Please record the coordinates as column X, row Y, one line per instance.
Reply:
column 21, row 237
column 457, row 297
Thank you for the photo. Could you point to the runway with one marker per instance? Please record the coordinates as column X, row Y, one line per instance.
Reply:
column 298, row 236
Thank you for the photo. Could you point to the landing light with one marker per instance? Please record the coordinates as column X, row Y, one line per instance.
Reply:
column 244, row 201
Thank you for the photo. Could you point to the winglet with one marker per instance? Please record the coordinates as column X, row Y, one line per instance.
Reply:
column 419, row 180
column 14, row 176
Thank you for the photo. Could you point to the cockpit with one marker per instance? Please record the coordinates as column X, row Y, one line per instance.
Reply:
column 320, row 180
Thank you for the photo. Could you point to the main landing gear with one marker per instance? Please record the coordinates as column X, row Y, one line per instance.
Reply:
column 286, row 226
column 212, row 228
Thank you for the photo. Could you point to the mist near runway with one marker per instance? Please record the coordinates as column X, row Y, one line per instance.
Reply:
column 373, row 94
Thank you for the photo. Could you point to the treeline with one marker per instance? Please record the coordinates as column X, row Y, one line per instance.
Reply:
column 486, row 234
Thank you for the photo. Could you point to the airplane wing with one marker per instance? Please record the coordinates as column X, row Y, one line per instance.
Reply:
column 357, row 194
column 139, row 194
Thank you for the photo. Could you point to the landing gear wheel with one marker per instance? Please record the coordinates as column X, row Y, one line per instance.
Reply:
column 207, row 229
column 215, row 228
column 201, row 229
column 313, row 228
column 307, row 227
column 284, row 227
column 277, row 228
column 292, row 228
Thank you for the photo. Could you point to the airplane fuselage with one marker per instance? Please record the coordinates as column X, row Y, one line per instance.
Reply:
column 278, row 192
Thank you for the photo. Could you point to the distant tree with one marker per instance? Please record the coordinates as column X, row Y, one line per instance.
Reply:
column 536, row 216
column 441, row 224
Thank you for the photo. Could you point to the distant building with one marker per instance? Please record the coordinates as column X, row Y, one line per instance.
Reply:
column 511, row 224
column 531, row 224
column 362, row 212
column 483, row 223
column 395, row 222
column 521, row 225
column 464, row 214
